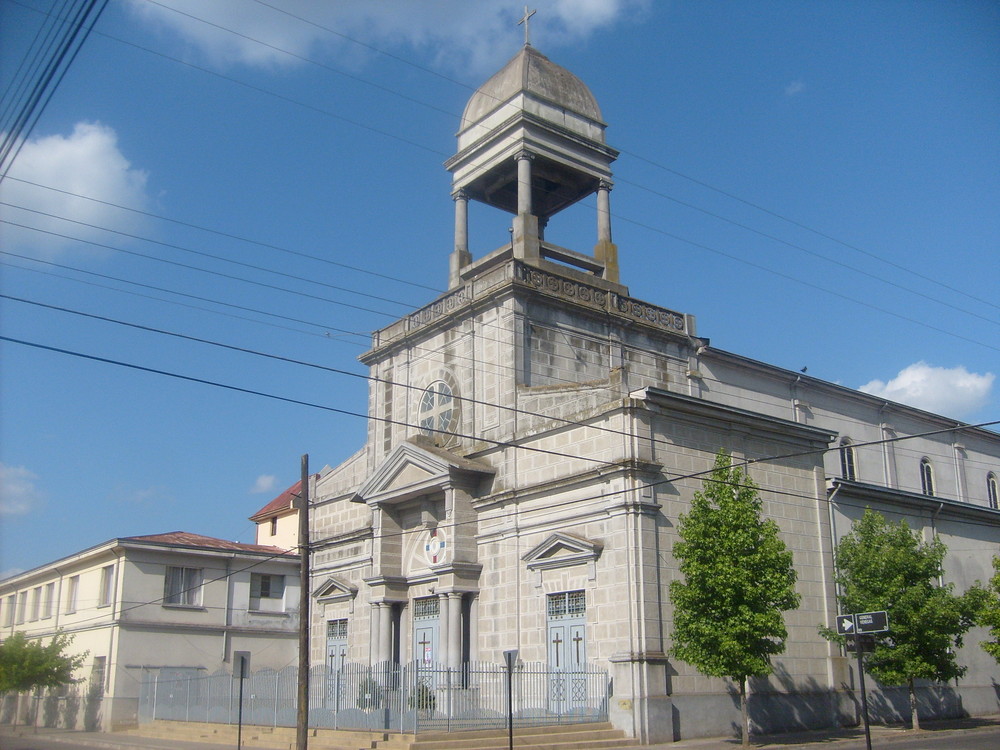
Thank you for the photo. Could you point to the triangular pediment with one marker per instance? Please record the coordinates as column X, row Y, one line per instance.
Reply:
column 418, row 467
column 562, row 550
column 408, row 474
column 332, row 589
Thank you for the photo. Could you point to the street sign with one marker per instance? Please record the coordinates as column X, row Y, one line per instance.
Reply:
column 872, row 622
column 856, row 643
column 241, row 664
column 864, row 622
column 845, row 625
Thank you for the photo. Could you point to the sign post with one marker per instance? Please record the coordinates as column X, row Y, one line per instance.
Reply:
column 510, row 658
column 241, row 669
column 860, row 627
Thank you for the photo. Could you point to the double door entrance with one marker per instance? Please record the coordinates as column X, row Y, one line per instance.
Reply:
column 566, row 631
column 426, row 631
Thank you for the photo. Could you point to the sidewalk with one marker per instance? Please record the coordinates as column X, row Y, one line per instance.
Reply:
column 113, row 740
column 844, row 739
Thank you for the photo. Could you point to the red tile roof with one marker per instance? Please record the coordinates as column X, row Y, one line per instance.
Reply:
column 187, row 539
column 281, row 503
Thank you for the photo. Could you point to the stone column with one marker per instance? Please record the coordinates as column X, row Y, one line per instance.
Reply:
column 385, row 631
column 604, row 211
column 375, row 641
column 474, row 628
column 455, row 629
column 524, row 159
column 605, row 250
column 526, row 242
column 444, row 636
column 460, row 256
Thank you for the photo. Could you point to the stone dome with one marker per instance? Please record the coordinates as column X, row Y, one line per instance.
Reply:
column 531, row 72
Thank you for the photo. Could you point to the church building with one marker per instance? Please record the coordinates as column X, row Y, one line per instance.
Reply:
column 535, row 432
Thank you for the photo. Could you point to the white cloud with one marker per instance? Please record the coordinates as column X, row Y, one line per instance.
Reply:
column 264, row 483
column 472, row 36
column 953, row 391
column 795, row 87
column 87, row 162
column 18, row 493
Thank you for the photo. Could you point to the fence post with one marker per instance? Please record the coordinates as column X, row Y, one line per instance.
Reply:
column 277, row 682
column 336, row 699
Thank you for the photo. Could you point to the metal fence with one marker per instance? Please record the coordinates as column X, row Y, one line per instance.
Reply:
column 413, row 697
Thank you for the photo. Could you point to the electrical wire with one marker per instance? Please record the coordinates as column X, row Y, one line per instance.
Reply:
column 650, row 190
column 300, row 402
column 422, row 351
column 52, row 76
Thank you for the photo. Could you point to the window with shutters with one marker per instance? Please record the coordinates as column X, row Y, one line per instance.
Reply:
column 267, row 592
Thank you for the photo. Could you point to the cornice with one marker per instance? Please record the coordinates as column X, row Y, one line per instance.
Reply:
column 935, row 506
column 729, row 416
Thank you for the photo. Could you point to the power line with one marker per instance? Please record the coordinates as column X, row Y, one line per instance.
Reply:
column 745, row 463
column 231, row 236
column 818, row 233
column 324, row 331
column 637, row 223
column 499, row 443
column 300, row 402
column 200, row 270
column 560, row 421
column 50, row 78
column 650, row 190
column 326, row 327
column 693, row 180
column 200, row 253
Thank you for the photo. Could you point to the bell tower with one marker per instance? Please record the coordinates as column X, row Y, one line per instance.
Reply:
column 532, row 143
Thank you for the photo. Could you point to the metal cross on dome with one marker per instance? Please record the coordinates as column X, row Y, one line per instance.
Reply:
column 524, row 20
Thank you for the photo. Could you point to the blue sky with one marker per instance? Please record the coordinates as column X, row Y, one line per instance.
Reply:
column 819, row 183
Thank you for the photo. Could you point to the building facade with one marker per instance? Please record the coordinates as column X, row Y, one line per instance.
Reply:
column 535, row 433
column 143, row 606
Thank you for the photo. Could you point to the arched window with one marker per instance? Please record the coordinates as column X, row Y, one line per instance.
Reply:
column 436, row 412
column 991, row 490
column 926, row 477
column 848, row 467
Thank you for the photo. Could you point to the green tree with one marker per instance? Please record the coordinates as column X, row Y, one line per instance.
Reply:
column 26, row 665
column 738, row 579
column 886, row 566
column 989, row 615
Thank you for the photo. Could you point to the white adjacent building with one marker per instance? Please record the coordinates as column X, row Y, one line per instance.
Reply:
column 535, row 433
column 144, row 605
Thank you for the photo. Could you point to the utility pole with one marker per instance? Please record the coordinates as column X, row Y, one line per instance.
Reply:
column 302, row 716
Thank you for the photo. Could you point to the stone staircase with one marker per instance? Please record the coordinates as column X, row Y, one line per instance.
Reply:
column 596, row 736
column 557, row 737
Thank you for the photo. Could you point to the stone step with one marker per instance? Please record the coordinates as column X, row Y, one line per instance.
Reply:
column 522, row 730
column 559, row 737
column 596, row 736
column 255, row 736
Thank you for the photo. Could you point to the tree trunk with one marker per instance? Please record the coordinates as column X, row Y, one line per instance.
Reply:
column 744, row 712
column 914, row 717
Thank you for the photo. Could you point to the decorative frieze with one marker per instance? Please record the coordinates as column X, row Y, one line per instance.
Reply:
column 591, row 296
column 550, row 283
column 438, row 308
